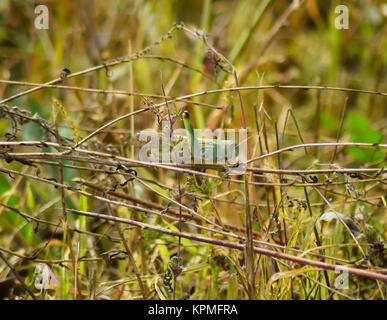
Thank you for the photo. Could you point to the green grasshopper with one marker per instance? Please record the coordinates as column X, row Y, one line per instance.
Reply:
column 201, row 150
column 201, row 153
column 219, row 150
column 174, row 268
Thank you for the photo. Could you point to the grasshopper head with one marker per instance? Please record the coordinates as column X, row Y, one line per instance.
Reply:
column 186, row 114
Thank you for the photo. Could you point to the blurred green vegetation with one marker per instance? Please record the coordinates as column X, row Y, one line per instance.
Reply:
column 269, row 42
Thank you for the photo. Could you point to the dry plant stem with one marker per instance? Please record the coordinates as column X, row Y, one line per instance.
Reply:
column 291, row 113
column 259, row 214
column 249, row 226
column 180, row 227
column 193, row 95
column 318, row 241
column 131, row 98
column 132, row 150
column 18, row 277
column 65, row 222
column 263, row 251
column 317, row 122
column 56, row 261
column 283, row 232
column 319, row 144
column 340, row 128
column 179, row 197
column 129, row 253
column 106, row 91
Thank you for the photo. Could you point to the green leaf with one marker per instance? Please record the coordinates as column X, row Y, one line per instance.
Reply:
column 30, row 198
column 4, row 184
column 184, row 241
column 164, row 253
column 33, row 131
column 8, row 215
column 360, row 130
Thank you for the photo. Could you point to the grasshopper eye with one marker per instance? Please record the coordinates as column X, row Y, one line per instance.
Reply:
column 186, row 114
